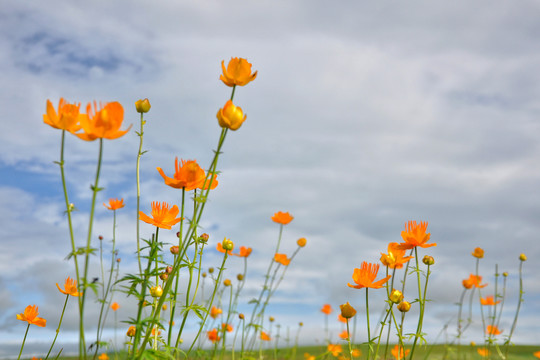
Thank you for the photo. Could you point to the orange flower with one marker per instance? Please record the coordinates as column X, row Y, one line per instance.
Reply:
column 131, row 331
column 215, row 312
column 103, row 356
column 335, row 349
column 415, row 235
column 493, row 330
column 31, row 316
column 301, row 242
column 115, row 306
column 282, row 259
column 395, row 258
column 473, row 280
column 154, row 331
column 114, row 204
column 265, row 336
column 244, row 251
column 104, row 122
column 238, row 72
column 220, row 248
column 162, row 216
column 213, row 335
column 537, row 354
column 488, row 300
column 282, row 218
column 344, row 335
column 70, row 287
column 341, row 318
column 227, row 327
column 399, row 353
column 188, row 176
column 478, row 253
column 231, row 116
column 483, row 352
column 356, row 353
column 67, row 117
column 308, row 356
column 326, row 309
column 365, row 276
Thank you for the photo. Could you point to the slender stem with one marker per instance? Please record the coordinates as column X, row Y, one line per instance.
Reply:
column 58, row 329
column 24, row 340
column 139, row 154
column 520, row 300
column 368, row 330
column 349, row 340
column 422, row 302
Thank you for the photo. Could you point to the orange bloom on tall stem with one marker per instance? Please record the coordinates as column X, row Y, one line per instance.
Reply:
column 344, row 335
column 213, row 335
column 188, row 176
column 244, row 251
column 282, row 259
column 67, row 117
column 399, row 353
column 335, row 349
column 282, row 218
column 488, row 300
column 162, row 216
column 493, row 330
column 220, row 248
column 415, row 235
column 478, row 253
column 31, row 316
column 341, row 318
column 103, row 122
column 473, row 280
column 114, row 204
column 265, row 336
column 231, row 116
column 365, row 276
column 238, row 72
column 215, row 312
column 326, row 309
column 115, row 306
column 395, row 258
column 70, row 287
column 483, row 352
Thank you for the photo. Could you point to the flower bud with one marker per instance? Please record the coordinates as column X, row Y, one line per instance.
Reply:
column 211, row 270
column 396, row 296
column 473, row 343
column 478, row 253
column 271, row 318
column 227, row 244
column 131, row 331
column 300, row 324
column 522, row 257
column 240, row 277
column 428, row 260
column 175, row 250
column 203, row 274
column 505, row 274
column 241, row 316
column 118, row 260
column 204, row 237
column 227, row 282
column 164, row 307
column 230, row 116
column 142, row 106
column 347, row 311
column 404, row 306
column 156, row 291
column 168, row 269
column 164, row 276
column 301, row 242
column 178, row 234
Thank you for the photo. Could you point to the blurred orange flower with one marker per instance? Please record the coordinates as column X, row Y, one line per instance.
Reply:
column 415, row 235
column 162, row 216
column 114, row 204
column 227, row 327
column 30, row 315
column 70, row 287
column 265, row 336
column 115, row 306
column 215, row 312
column 326, row 309
column 483, row 352
column 365, row 276
column 231, row 116
column 282, row 218
column 188, row 176
column 473, row 280
column 213, row 335
column 220, row 248
column 67, row 117
column 395, row 258
column 493, row 330
column 102, row 122
column 282, row 259
column 399, row 353
column 244, row 251
column 356, row 353
column 103, row 356
column 341, row 318
column 537, row 354
column 238, row 72
column 344, row 335
column 335, row 349
column 488, row 300
column 478, row 253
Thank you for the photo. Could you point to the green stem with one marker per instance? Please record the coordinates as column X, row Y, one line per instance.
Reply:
column 422, row 302
column 24, row 340
column 507, row 342
column 139, row 154
column 368, row 329
column 57, row 329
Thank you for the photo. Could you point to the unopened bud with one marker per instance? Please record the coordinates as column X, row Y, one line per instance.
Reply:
column 204, row 237
column 428, row 260
column 523, row 257
column 240, row 277
column 175, row 250
column 227, row 244
column 142, row 106
column 241, row 316
column 100, row 237
column 164, row 307
column 347, row 311
column 168, row 269
column 156, row 291
column 227, row 282
column 404, row 306
column 164, row 276
column 211, row 270
column 396, row 296
column 131, row 331
column 271, row 318
column 505, row 274
column 203, row 274
column 301, row 242
column 300, row 324
column 118, row 260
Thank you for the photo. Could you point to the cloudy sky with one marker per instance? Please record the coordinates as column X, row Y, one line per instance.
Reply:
column 364, row 115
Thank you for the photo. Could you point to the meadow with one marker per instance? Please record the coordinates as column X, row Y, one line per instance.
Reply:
column 210, row 297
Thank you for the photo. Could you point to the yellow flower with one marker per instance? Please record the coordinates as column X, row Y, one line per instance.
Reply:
column 114, row 204
column 231, row 116
column 103, row 122
column 70, row 287
column 67, row 117
column 142, row 106
column 238, row 72
column 162, row 216
column 30, row 315
column 522, row 257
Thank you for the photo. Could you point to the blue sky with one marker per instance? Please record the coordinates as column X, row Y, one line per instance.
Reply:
column 363, row 116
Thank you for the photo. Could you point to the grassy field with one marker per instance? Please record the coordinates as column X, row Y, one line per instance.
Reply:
column 431, row 352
